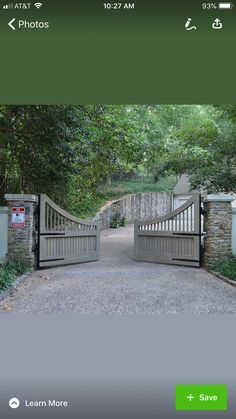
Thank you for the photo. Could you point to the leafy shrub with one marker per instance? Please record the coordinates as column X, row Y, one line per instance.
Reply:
column 118, row 221
column 9, row 272
column 124, row 222
column 226, row 268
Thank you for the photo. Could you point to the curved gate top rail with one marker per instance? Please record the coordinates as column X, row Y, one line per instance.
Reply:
column 173, row 238
column 64, row 238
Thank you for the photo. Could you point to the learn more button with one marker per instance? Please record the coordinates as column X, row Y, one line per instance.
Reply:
column 201, row 397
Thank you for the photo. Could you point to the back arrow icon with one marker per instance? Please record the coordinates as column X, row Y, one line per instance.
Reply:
column 10, row 24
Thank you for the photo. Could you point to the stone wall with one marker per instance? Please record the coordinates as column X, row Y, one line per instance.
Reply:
column 142, row 206
column 3, row 233
column 218, row 228
column 234, row 231
column 22, row 242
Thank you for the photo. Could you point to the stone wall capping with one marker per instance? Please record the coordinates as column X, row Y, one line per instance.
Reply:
column 21, row 197
column 220, row 198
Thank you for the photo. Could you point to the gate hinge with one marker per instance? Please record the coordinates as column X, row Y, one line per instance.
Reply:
column 202, row 211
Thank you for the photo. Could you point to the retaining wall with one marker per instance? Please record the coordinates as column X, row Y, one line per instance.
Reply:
column 141, row 206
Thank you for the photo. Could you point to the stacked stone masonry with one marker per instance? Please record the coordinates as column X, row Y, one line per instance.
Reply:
column 218, row 228
column 141, row 206
column 22, row 242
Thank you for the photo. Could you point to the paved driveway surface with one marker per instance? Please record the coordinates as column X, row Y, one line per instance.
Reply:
column 118, row 284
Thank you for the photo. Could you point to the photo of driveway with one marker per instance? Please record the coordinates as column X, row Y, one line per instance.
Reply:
column 117, row 284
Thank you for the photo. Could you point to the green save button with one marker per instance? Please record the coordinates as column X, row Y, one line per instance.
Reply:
column 201, row 397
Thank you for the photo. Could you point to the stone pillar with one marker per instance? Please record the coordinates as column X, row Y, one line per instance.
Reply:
column 218, row 228
column 3, row 233
column 22, row 242
column 234, row 231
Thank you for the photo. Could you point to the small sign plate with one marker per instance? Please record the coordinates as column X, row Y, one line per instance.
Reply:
column 18, row 217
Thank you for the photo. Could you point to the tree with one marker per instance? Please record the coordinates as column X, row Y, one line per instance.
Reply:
column 64, row 151
column 37, row 147
column 68, row 151
column 209, row 149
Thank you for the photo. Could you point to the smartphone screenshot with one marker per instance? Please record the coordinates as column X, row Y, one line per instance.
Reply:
column 117, row 209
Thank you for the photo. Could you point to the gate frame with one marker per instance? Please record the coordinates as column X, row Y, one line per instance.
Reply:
column 47, row 263
column 139, row 255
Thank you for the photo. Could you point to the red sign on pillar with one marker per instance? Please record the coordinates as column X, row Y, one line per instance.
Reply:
column 18, row 217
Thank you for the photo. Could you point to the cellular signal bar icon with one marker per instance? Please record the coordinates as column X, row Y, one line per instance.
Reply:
column 8, row 6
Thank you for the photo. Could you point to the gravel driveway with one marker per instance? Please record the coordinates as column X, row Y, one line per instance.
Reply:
column 118, row 284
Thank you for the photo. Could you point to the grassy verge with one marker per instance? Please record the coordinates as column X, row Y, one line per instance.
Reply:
column 226, row 268
column 119, row 188
column 10, row 271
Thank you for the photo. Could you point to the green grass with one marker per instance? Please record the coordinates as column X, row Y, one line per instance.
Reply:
column 120, row 188
column 10, row 271
column 226, row 268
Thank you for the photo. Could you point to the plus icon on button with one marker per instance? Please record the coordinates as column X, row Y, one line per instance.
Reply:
column 190, row 397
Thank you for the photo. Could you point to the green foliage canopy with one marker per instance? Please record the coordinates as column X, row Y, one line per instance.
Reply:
column 68, row 151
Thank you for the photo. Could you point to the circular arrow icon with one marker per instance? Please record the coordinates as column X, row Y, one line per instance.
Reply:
column 11, row 24
column 14, row 403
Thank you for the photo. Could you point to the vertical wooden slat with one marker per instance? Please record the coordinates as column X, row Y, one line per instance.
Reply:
column 187, row 219
column 46, row 216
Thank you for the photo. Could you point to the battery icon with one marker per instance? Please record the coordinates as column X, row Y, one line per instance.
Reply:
column 225, row 6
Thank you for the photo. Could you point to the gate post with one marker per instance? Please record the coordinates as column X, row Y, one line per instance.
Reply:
column 218, row 228
column 22, row 242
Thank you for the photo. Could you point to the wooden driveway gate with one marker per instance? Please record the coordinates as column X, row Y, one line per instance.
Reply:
column 63, row 238
column 174, row 238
